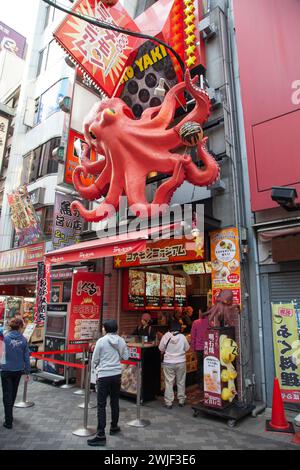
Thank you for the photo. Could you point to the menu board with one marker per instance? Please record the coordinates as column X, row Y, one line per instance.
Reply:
column 152, row 290
column 225, row 256
column 167, row 291
column 194, row 268
column 136, row 289
column 180, row 291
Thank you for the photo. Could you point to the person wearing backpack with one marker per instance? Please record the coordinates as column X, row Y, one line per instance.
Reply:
column 107, row 356
column 15, row 360
column 174, row 345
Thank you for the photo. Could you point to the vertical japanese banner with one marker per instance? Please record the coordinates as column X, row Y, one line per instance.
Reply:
column 85, row 308
column 67, row 226
column 42, row 291
column 212, row 369
column 225, row 257
column 287, row 350
column 4, row 122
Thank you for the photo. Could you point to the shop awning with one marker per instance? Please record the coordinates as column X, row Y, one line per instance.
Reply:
column 268, row 235
column 105, row 247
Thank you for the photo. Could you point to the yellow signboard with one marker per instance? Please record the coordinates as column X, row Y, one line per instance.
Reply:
column 286, row 350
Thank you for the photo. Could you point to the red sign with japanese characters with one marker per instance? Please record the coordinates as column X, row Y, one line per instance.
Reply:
column 212, row 367
column 164, row 251
column 101, row 53
column 85, row 308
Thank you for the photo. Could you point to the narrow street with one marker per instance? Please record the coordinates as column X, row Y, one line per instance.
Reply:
column 49, row 425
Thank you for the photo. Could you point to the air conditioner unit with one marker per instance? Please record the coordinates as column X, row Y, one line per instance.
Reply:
column 207, row 29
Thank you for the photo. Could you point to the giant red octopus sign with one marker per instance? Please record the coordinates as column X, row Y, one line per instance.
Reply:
column 132, row 148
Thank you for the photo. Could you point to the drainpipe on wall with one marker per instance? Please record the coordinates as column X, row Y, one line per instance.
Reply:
column 240, row 132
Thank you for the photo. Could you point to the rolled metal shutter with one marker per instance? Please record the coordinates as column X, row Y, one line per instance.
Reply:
column 284, row 287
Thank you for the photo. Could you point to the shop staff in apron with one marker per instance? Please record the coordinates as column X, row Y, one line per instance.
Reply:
column 145, row 329
column 197, row 343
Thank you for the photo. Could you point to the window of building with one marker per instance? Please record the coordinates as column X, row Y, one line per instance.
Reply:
column 39, row 162
column 47, row 16
column 42, row 60
column 49, row 101
column 48, row 222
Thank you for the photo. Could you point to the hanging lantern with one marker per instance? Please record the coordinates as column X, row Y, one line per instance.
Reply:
column 191, row 133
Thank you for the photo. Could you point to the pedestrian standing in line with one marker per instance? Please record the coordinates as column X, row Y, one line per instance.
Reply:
column 15, row 361
column 174, row 345
column 197, row 343
column 107, row 356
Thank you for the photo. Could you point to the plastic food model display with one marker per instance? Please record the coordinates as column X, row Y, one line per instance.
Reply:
column 228, row 354
column 224, row 311
column 133, row 148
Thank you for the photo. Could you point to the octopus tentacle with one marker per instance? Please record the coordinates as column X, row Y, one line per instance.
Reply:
column 163, row 194
column 93, row 168
column 95, row 190
column 106, row 208
column 201, row 111
column 203, row 177
column 165, row 115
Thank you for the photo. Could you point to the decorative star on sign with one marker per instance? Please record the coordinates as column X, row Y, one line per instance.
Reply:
column 189, row 40
column 189, row 10
column 191, row 61
column 189, row 19
column 118, row 262
column 190, row 29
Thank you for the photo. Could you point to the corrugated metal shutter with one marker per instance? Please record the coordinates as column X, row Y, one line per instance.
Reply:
column 284, row 287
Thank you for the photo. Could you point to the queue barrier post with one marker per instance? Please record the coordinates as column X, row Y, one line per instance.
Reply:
column 138, row 422
column 81, row 390
column 90, row 405
column 85, row 431
column 67, row 385
column 24, row 403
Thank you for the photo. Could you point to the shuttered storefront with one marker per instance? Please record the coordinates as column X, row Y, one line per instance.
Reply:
column 284, row 287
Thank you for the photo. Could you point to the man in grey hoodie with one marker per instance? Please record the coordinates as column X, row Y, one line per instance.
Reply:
column 107, row 356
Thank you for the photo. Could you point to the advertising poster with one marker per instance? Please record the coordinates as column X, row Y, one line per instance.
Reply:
column 85, row 307
column 225, row 262
column 286, row 350
column 180, row 291
column 24, row 218
column 102, row 54
column 26, row 257
column 129, row 379
column 136, row 291
column 67, row 225
column 76, row 144
column 212, row 370
column 167, row 291
column 152, row 290
column 164, row 251
column 12, row 41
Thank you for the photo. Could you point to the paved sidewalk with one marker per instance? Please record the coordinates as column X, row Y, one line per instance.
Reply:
column 49, row 425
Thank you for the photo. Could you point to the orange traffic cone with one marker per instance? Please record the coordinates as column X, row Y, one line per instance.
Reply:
column 296, row 438
column 278, row 422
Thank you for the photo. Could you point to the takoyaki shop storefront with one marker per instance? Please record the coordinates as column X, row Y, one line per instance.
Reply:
column 172, row 278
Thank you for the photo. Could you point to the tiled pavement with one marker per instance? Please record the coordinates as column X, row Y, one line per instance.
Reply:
column 49, row 425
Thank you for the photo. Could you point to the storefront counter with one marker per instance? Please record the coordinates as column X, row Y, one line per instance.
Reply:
column 148, row 356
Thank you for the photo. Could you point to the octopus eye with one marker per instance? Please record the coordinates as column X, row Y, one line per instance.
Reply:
column 92, row 135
